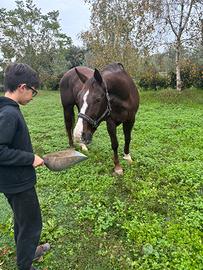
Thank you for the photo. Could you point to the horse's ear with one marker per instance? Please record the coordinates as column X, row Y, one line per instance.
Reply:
column 81, row 76
column 98, row 76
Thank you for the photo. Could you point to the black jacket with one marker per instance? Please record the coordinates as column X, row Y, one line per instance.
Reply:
column 16, row 154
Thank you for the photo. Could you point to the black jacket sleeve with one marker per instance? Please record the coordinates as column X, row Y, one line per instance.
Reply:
column 9, row 155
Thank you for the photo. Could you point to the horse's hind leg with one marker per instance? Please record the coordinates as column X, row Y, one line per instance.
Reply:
column 127, row 129
column 69, row 122
column 111, row 127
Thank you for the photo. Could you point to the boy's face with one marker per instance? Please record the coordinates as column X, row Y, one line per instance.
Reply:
column 25, row 94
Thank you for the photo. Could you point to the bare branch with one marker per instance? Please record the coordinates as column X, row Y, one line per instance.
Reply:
column 188, row 16
column 169, row 19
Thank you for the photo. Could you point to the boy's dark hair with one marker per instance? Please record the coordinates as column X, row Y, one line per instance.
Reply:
column 19, row 73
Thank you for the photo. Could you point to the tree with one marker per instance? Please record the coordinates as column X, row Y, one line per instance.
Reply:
column 110, row 37
column 184, row 20
column 122, row 30
column 31, row 37
column 75, row 56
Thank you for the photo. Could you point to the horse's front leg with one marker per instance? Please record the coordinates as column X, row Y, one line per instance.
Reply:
column 127, row 129
column 111, row 127
column 69, row 122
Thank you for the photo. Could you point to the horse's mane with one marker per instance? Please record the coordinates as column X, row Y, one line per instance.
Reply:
column 113, row 67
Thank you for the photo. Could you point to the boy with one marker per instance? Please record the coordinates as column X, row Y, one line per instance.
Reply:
column 18, row 163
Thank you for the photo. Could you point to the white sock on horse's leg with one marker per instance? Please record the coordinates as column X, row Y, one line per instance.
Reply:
column 128, row 158
column 83, row 147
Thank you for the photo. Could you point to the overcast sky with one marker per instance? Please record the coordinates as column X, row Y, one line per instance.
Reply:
column 74, row 14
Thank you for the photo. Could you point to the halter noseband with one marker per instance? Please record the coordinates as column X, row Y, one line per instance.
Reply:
column 95, row 123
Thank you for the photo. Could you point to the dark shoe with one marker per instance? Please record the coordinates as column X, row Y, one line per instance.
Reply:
column 40, row 251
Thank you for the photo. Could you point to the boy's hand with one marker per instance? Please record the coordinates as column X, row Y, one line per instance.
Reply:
column 38, row 161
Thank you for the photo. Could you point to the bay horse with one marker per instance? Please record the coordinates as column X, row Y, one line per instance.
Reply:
column 109, row 96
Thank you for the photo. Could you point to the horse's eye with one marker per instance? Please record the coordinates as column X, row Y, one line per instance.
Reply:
column 97, row 99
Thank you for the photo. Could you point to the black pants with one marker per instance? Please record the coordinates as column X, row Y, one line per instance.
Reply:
column 27, row 225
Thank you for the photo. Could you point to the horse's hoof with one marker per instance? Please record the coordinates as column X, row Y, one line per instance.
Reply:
column 118, row 171
column 128, row 158
column 83, row 147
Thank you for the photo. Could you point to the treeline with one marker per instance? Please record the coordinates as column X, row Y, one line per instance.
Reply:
column 29, row 36
column 135, row 31
column 159, row 42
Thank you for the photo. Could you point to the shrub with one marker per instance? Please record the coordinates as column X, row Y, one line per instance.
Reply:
column 162, row 81
column 191, row 75
column 198, row 82
column 154, row 81
column 52, row 82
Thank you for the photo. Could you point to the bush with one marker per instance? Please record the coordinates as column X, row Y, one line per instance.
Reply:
column 198, row 82
column 154, row 81
column 52, row 82
column 162, row 81
column 191, row 75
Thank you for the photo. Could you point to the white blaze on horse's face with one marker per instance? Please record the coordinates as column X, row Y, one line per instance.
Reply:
column 77, row 133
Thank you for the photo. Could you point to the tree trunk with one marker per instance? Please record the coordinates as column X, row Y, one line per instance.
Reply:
column 178, row 76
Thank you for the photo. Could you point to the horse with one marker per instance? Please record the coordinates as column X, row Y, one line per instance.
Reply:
column 109, row 95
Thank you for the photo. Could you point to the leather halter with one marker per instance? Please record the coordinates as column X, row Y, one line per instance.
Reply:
column 95, row 123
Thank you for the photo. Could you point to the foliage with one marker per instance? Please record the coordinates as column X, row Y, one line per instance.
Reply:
column 52, row 82
column 75, row 56
column 34, row 38
column 156, row 81
column 182, row 19
column 110, row 37
column 151, row 218
column 191, row 75
column 151, row 78
column 123, row 30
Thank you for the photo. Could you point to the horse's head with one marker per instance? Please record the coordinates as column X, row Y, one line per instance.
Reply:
column 94, row 106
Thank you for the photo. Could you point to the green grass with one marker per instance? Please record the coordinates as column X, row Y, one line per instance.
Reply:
column 151, row 218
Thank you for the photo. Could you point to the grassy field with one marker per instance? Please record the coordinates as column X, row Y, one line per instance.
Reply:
column 151, row 218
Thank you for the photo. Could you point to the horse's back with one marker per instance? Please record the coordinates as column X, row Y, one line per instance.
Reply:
column 121, row 85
